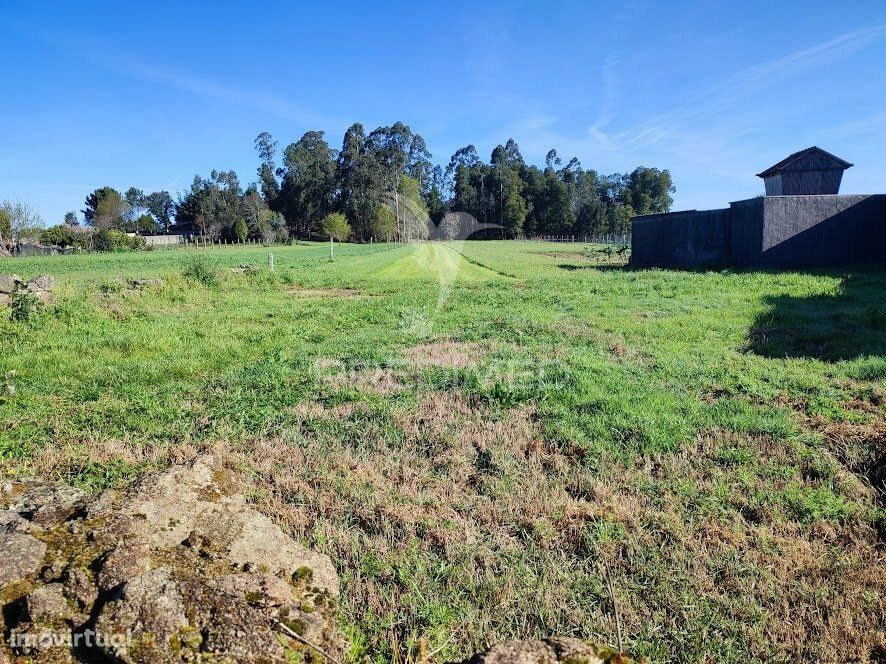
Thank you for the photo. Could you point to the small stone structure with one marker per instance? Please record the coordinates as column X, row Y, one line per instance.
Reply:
column 41, row 287
column 178, row 568
column 772, row 231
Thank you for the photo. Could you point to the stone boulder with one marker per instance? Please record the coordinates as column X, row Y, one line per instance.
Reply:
column 41, row 287
column 9, row 283
column 177, row 568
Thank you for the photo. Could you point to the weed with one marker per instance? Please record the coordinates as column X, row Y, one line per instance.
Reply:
column 23, row 306
column 199, row 269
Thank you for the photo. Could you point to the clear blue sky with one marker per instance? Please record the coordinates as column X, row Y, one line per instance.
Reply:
column 148, row 94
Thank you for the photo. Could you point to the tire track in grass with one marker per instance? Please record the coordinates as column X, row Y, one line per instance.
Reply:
column 473, row 261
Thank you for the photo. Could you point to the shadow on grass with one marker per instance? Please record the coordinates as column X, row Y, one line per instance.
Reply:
column 844, row 326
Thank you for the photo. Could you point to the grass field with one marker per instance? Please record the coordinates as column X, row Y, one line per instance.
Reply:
column 479, row 433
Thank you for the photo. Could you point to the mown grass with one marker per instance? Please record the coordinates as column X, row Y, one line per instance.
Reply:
column 477, row 432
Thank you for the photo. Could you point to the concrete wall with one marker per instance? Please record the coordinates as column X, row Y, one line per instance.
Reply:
column 163, row 240
column 681, row 239
column 770, row 232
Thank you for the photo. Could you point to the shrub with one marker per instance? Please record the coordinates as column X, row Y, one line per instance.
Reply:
column 135, row 242
column 57, row 235
column 114, row 240
column 198, row 269
column 101, row 240
column 23, row 306
column 335, row 225
column 65, row 235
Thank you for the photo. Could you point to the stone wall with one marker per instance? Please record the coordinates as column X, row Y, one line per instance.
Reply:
column 819, row 231
column 40, row 287
column 766, row 232
column 681, row 239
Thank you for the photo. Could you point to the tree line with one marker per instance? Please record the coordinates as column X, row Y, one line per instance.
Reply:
column 384, row 185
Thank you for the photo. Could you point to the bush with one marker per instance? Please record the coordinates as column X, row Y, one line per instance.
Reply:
column 64, row 235
column 335, row 225
column 135, row 242
column 114, row 240
column 199, row 270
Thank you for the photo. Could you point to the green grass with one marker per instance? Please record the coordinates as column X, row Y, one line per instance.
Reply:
column 475, row 431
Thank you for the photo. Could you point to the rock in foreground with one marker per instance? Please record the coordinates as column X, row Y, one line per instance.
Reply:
column 178, row 568
column 40, row 287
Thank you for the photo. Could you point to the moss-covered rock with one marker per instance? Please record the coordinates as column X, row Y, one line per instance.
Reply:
column 178, row 568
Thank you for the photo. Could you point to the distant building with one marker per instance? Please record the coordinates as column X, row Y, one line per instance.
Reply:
column 800, row 222
column 809, row 172
column 164, row 240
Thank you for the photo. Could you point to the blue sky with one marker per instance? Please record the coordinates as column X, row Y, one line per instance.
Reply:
column 148, row 94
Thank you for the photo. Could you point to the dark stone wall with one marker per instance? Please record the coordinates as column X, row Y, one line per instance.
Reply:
column 817, row 231
column 770, row 232
column 745, row 231
column 681, row 239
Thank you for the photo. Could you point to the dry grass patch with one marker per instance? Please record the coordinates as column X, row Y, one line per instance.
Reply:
column 446, row 353
column 471, row 508
column 119, row 461
column 859, row 445
column 687, row 537
column 376, row 380
column 313, row 410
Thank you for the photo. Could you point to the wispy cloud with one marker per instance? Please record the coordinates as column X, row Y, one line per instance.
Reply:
column 870, row 126
column 204, row 87
column 682, row 125
column 740, row 85
column 609, row 81
column 124, row 63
